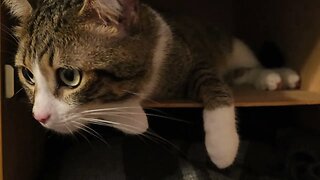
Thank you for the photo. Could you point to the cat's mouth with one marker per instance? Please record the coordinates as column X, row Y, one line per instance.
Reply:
column 64, row 124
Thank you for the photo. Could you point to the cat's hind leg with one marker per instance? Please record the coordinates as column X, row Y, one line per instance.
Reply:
column 221, row 137
column 243, row 68
column 260, row 78
column 266, row 79
column 290, row 78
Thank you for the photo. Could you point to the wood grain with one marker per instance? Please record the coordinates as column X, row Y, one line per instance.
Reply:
column 22, row 139
column 2, row 47
column 310, row 71
column 249, row 98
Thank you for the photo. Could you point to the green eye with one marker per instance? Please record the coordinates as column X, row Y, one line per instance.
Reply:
column 27, row 74
column 69, row 77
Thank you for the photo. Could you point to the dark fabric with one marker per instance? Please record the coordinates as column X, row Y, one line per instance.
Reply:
column 294, row 156
column 131, row 158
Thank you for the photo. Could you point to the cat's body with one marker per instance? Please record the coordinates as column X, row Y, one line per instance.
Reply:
column 94, row 61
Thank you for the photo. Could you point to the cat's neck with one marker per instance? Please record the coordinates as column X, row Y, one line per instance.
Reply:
column 152, row 24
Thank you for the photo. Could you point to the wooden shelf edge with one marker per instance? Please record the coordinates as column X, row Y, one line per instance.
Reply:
column 249, row 98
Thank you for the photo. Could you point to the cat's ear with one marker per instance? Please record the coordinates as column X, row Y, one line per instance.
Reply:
column 21, row 9
column 121, row 13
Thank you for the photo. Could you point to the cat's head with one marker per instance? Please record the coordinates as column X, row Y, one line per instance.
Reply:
column 83, row 60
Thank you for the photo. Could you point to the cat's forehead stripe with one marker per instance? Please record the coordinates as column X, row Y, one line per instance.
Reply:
column 32, row 25
column 52, row 13
column 51, row 58
column 47, row 49
column 43, row 26
column 24, row 57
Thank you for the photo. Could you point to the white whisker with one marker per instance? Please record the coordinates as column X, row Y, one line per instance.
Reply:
column 126, row 118
column 110, row 109
column 150, row 135
column 79, row 127
column 72, row 133
column 134, row 113
column 163, row 140
column 70, row 117
column 143, row 96
column 101, row 120
column 90, row 131
column 9, row 32
column 111, row 123
column 18, row 91
column 69, row 130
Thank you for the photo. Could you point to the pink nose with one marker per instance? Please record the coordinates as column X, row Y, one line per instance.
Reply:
column 42, row 118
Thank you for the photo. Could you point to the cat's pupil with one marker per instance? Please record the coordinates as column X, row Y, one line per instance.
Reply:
column 68, row 75
column 28, row 75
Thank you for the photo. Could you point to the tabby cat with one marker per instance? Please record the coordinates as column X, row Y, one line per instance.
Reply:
column 94, row 61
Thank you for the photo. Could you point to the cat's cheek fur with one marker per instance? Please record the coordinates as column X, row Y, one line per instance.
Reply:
column 221, row 136
column 161, row 51
column 134, row 121
column 128, row 116
column 45, row 104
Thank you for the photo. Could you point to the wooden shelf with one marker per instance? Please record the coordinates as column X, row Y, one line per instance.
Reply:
column 250, row 98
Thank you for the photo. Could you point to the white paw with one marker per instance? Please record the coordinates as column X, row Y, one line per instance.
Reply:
column 221, row 136
column 268, row 80
column 292, row 81
column 290, row 78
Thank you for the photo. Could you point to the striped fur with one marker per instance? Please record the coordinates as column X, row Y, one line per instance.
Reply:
column 124, row 52
column 20, row 8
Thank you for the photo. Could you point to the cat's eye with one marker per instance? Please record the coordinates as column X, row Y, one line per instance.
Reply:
column 69, row 77
column 27, row 74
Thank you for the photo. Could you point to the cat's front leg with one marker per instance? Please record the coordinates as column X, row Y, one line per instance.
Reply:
column 221, row 137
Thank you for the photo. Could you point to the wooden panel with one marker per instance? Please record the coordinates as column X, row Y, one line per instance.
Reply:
column 22, row 137
column 1, row 95
column 311, row 71
column 23, row 142
column 250, row 98
column 216, row 12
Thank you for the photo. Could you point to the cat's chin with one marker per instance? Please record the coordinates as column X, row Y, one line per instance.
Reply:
column 65, row 125
column 61, row 129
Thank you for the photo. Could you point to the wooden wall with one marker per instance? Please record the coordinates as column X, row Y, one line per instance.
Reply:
column 22, row 140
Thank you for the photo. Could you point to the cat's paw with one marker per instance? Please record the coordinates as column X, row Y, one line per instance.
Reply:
column 221, row 138
column 268, row 80
column 290, row 78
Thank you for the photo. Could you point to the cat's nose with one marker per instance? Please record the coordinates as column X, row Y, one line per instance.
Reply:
column 42, row 118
